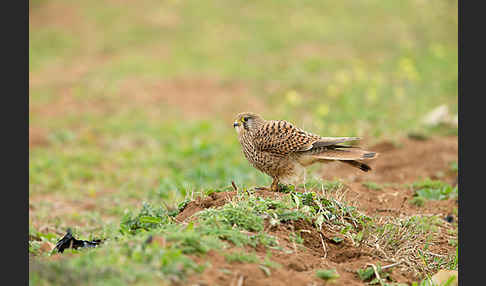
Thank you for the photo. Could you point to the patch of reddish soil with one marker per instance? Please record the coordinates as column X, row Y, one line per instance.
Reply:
column 395, row 166
column 410, row 162
column 195, row 97
column 37, row 137
column 298, row 263
column 192, row 98
column 54, row 14
column 54, row 212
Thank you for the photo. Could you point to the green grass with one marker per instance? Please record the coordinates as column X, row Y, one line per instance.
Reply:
column 241, row 257
column 432, row 190
column 151, row 241
column 368, row 274
column 327, row 274
column 372, row 186
column 348, row 78
column 318, row 64
column 454, row 166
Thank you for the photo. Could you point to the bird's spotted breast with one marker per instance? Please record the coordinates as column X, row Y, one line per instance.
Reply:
column 271, row 163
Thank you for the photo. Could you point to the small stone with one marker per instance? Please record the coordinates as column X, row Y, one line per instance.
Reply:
column 441, row 277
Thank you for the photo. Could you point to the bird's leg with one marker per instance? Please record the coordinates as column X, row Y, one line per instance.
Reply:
column 274, row 186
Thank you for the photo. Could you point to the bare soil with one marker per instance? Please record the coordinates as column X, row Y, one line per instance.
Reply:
column 396, row 167
column 194, row 98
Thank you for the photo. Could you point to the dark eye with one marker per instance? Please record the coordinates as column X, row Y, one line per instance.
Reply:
column 244, row 119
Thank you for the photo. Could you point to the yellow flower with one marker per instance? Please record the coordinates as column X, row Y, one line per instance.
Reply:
column 92, row 192
column 292, row 97
column 322, row 110
column 371, row 94
column 359, row 73
column 407, row 69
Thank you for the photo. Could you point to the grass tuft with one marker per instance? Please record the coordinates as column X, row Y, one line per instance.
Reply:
column 327, row 274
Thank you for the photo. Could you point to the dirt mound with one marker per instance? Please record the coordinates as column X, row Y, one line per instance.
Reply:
column 216, row 200
column 213, row 200
column 298, row 263
column 411, row 161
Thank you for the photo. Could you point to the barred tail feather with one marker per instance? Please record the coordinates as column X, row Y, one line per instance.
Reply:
column 347, row 154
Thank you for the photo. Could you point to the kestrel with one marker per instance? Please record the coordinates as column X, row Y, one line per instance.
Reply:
column 280, row 150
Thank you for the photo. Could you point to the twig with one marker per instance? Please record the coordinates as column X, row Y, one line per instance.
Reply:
column 240, row 280
column 234, row 186
column 433, row 254
column 323, row 246
column 391, row 265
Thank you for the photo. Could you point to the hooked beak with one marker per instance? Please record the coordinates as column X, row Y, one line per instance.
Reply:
column 236, row 124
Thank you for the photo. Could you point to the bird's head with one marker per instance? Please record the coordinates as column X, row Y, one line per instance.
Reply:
column 247, row 121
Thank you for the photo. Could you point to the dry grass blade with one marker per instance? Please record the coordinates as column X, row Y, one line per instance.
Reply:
column 240, row 280
column 409, row 240
column 323, row 245
column 376, row 273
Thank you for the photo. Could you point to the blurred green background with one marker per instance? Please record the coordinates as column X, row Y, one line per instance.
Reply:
column 133, row 101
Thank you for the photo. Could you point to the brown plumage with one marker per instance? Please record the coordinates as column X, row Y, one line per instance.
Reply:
column 279, row 149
